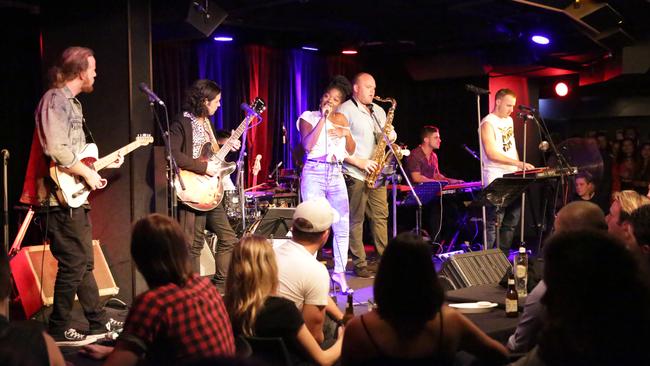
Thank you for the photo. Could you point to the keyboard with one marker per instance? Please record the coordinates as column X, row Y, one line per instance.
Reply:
column 544, row 172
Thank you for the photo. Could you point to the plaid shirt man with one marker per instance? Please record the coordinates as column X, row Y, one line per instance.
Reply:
column 170, row 324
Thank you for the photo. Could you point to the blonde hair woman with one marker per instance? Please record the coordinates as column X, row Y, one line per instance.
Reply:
column 256, row 311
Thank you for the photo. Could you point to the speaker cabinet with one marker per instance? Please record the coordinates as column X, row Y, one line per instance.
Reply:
column 475, row 268
column 36, row 263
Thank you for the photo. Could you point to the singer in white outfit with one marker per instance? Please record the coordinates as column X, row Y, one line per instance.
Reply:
column 325, row 136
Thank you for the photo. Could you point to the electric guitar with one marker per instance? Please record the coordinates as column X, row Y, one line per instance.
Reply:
column 72, row 190
column 203, row 192
column 256, row 169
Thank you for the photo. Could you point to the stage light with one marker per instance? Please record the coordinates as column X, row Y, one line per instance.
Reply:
column 223, row 38
column 561, row 89
column 308, row 48
column 539, row 39
column 349, row 52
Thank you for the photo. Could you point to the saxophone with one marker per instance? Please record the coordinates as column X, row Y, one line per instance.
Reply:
column 382, row 156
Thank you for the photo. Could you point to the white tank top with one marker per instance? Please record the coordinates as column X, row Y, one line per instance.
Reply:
column 504, row 135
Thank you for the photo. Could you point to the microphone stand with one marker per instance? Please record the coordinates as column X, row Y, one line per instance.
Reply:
column 5, row 211
column 478, row 93
column 171, row 162
column 418, row 213
column 5, row 200
column 523, row 194
column 240, row 179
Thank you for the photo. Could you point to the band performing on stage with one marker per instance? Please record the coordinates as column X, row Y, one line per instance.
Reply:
column 243, row 256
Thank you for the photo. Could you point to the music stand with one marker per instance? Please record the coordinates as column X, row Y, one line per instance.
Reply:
column 500, row 194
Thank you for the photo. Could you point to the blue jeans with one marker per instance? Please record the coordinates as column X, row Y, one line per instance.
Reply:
column 509, row 218
column 326, row 180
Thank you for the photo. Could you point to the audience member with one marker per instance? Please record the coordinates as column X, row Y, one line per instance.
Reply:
column 255, row 310
column 622, row 207
column 181, row 318
column 605, row 186
column 597, row 304
column 302, row 278
column 576, row 216
column 23, row 343
column 586, row 190
column 625, row 167
column 642, row 174
column 411, row 325
column 639, row 223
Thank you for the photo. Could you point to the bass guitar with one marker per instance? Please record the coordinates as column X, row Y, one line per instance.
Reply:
column 203, row 192
column 72, row 190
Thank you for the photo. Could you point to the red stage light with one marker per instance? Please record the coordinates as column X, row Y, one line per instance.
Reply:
column 561, row 89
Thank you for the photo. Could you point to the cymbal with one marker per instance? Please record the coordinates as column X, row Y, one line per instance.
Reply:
column 583, row 154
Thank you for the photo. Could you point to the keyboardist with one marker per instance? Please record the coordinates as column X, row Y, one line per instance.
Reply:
column 423, row 162
column 422, row 166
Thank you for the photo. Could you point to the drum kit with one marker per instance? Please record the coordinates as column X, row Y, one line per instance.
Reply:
column 283, row 193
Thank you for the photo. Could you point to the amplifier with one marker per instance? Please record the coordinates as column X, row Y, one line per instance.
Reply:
column 35, row 263
column 474, row 268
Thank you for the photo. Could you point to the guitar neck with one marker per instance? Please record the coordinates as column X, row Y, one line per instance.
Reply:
column 108, row 159
column 225, row 149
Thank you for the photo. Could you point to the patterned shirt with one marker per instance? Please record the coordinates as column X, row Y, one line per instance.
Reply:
column 199, row 134
column 170, row 324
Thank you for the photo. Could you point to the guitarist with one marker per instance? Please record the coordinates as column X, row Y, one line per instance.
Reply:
column 189, row 133
column 59, row 137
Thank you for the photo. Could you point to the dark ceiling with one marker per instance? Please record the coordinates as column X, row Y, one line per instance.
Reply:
column 494, row 32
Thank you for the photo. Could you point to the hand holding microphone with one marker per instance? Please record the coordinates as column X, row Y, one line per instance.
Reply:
column 326, row 109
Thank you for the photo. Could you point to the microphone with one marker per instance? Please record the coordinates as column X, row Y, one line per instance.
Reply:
column 275, row 170
column 526, row 108
column 470, row 151
column 524, row 115
column 476, row 89
column 5, row 154
column 284, row 135
column 246, row 108
column 153, row 98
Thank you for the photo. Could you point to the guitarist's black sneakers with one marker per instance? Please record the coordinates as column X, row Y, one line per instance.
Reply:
column 72, row 338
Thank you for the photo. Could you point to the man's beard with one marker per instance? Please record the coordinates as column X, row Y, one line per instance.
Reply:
column 86, row 88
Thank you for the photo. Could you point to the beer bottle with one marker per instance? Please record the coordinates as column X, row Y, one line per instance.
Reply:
column 521, row 272
column 512, row 298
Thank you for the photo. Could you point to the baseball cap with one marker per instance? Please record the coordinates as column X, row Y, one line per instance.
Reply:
column 317, row 215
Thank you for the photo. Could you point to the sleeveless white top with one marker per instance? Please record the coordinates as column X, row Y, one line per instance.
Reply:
column 504, row 135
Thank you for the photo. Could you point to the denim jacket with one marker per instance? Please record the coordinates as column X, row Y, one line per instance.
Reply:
column 59, row 136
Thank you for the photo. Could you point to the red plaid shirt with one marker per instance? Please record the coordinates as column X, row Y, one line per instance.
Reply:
column 172, row 324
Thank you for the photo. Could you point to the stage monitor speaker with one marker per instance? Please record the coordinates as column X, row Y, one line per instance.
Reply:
column 474, row 268
column 30, row 262
column 275, row 224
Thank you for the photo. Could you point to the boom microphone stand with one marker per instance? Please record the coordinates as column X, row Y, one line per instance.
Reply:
column 478, row 91
column 418, row 213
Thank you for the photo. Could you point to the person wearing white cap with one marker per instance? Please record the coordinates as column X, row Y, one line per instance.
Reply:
column 302, row 278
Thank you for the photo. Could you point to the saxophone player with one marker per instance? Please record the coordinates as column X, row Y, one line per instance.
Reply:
column 367, row 121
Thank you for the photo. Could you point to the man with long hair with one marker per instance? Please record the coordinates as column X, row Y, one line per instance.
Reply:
column 59, row 137
column 188, row 135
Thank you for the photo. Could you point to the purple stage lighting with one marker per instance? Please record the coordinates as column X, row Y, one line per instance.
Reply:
column 308, row 48
column 539, row 39
column 223, row 38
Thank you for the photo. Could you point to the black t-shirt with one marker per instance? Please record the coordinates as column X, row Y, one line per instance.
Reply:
column 279, row 317
column 22, row 343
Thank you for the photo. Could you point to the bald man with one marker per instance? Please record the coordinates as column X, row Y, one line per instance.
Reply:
column 576, row 216
column 367, row 120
